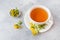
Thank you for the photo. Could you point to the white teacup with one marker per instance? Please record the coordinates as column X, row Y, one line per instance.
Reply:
column 39, row 6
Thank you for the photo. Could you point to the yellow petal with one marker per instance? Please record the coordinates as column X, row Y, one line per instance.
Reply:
column 34, row 31
column 17, row 26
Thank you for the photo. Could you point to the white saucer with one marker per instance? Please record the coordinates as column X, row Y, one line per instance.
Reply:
column 49, row 23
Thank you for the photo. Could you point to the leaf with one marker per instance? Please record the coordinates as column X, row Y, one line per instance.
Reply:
column 41, row 26
column 20, row 22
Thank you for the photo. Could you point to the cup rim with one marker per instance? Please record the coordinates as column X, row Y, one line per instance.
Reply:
column 43, row 7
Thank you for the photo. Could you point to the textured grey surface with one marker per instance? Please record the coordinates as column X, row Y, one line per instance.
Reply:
column 7, row 32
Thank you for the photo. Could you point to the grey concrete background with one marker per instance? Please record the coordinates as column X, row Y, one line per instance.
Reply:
column 7, row 32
